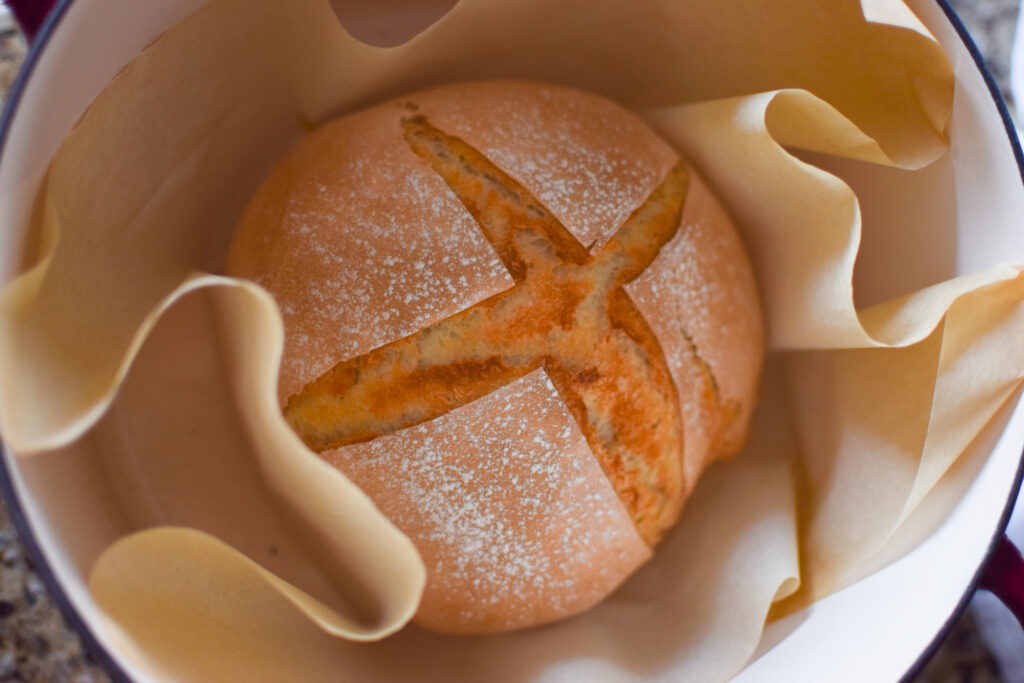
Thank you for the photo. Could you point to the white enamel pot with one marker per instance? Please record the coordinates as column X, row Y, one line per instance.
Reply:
column 884, row 627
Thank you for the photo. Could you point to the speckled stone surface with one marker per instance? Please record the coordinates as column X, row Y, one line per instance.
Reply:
column 991, row 24
column 12, row 51
column 36, row 645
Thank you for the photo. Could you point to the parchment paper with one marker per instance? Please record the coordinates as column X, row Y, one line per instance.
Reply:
column 251, row 554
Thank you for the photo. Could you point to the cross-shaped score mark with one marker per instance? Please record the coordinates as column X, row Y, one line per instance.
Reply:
column 567, row 312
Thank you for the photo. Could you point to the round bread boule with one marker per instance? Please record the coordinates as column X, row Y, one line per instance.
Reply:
column 519, row 322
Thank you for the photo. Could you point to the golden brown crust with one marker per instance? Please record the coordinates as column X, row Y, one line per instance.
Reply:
column 658, row 382
column 700, row 298
column 566, row 313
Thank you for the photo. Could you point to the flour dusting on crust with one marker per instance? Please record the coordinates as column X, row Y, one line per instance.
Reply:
column 509, row 508
column 589, row 161
column 371, row 246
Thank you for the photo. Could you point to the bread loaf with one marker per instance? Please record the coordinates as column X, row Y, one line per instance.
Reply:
column 520, row 322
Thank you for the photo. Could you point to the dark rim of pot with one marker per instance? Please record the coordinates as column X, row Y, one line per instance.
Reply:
column 1018, row 155
column 107, row 661
column 10, row 496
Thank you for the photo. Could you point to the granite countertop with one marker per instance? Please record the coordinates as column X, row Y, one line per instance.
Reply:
column 36, row 644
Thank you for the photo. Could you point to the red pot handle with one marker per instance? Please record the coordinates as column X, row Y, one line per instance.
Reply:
column 1004, row 576
column 30, row 14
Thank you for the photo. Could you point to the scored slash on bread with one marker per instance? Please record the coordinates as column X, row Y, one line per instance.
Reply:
column 568, row 312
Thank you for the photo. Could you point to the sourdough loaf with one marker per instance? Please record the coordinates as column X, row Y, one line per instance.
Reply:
column 520, row 322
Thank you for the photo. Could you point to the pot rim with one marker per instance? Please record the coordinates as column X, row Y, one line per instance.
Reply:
column 1018, row 155
column 104, row 657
